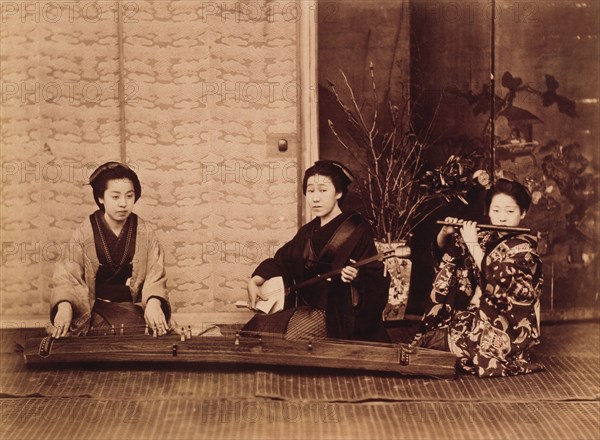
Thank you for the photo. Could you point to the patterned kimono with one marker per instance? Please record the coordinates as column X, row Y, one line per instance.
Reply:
column 490, row 317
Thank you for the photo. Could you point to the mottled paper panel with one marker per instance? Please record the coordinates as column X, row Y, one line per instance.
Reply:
column 60, row 119
column 206, row 87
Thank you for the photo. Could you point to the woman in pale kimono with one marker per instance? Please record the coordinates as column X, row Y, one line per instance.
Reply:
column 485, row 301
column 115, row 275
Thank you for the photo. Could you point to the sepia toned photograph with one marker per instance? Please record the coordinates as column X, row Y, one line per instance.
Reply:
column 303, row 219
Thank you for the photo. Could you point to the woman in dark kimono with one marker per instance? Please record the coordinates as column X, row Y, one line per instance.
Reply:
column 115, row 275
column 485, row 301
column 348, row 306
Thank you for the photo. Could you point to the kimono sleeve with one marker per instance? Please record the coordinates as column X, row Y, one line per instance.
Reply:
column 155, row 283
column 277, row 265
column 371, row 285
column 516, row 276
column 68, row 281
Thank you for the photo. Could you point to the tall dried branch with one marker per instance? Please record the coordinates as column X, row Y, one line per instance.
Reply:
column 390, row 155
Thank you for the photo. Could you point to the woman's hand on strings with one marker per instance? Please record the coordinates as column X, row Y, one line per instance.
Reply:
column 62, row 320
column 254, row 290
column 155, row 318
column 349, row 273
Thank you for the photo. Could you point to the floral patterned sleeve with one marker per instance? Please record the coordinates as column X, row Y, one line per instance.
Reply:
column 455, row 282
column 514, row 273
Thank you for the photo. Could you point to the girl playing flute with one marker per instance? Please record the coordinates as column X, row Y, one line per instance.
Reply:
column 485, row 302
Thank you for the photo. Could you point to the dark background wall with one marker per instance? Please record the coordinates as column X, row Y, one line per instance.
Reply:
column 351, row 36
column 447, row 46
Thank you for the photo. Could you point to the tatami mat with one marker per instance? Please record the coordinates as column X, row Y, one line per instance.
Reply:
column 226, row 402
column 126, row 384
column 571, row 339
column 563, row 379
column 228, row 419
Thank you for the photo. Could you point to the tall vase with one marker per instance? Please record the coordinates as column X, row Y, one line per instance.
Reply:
column 399, row 270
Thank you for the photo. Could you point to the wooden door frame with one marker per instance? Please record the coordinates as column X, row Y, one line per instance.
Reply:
column 308, row 108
